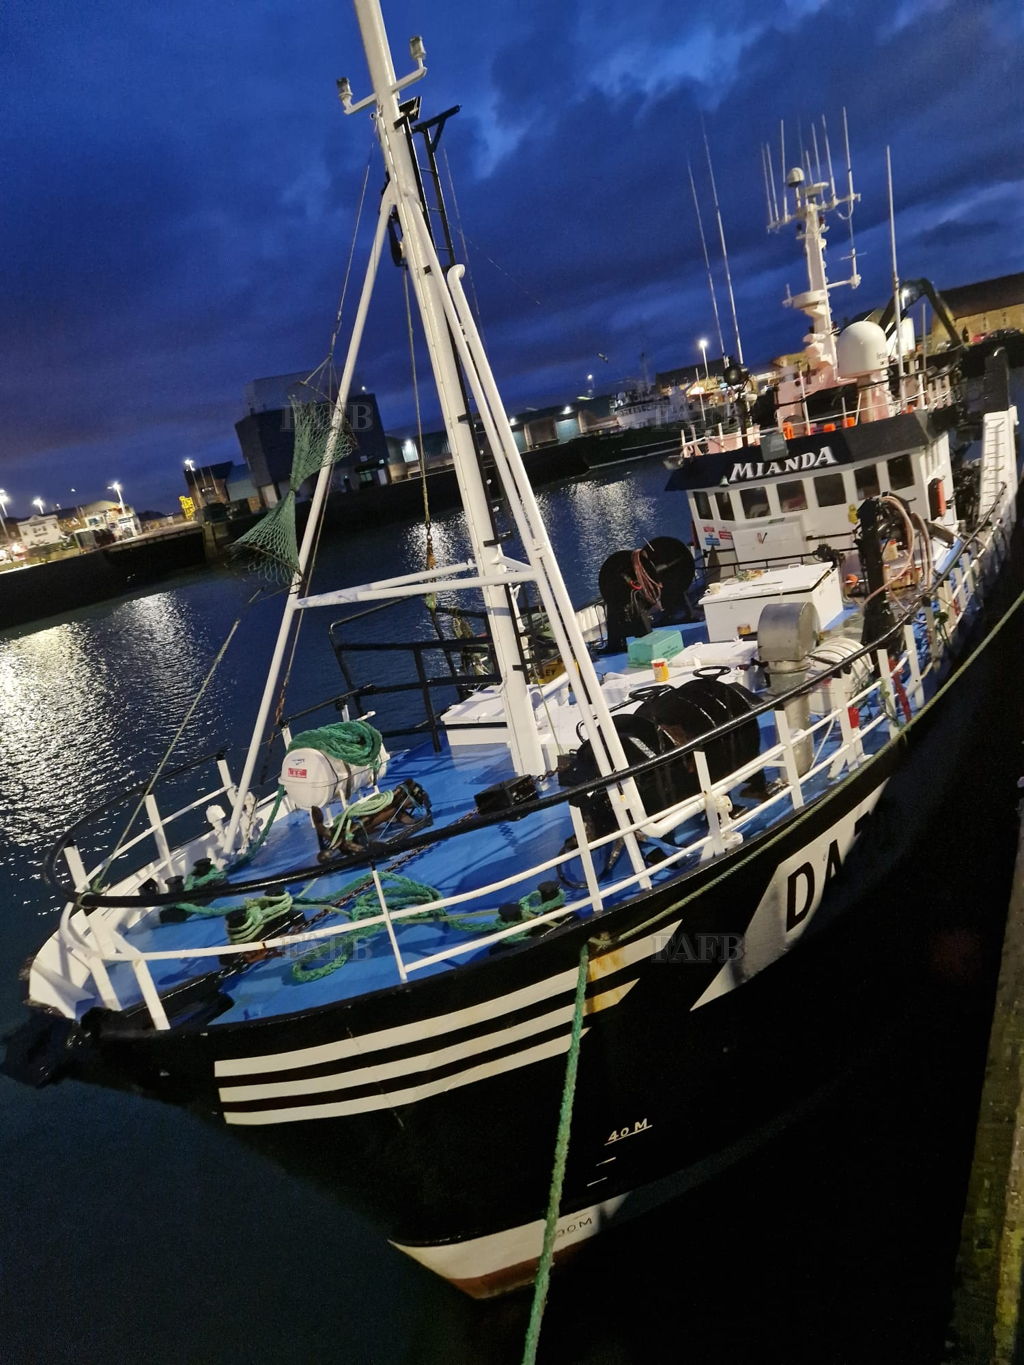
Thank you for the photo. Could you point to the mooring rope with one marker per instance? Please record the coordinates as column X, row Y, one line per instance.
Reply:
column 547, row 1255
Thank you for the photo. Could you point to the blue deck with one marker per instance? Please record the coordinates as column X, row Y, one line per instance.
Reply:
column 267, row 985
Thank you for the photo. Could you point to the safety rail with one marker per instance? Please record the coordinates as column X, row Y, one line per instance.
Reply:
column 867, row 720
column 535, row 652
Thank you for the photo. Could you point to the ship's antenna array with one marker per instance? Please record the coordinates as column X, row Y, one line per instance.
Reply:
column 813, row 185
column 721, row 238
column 707, row 261
column 812, row 181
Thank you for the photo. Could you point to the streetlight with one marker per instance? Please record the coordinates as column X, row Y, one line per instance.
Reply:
column 38, row 502
column 3, row 515
column 703, row 344
column 117, row 489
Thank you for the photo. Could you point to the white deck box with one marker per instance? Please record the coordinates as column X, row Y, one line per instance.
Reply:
column 734, row 607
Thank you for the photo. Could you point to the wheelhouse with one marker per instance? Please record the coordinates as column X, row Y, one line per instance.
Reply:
column 783, row 499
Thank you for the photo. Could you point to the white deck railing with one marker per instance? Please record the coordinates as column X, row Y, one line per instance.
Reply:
column 866, row 721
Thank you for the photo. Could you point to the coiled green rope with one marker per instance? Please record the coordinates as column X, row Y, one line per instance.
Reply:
column 355, row 742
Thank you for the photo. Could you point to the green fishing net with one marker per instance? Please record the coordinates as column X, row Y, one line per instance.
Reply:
column 271, row 546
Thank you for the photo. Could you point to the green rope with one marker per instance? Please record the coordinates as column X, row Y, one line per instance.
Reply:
column 251, row 852
column 195, row 880
column 547, row 1255
column 399, row 893
column 259, row 913
column 351, row 741
column 354, row 814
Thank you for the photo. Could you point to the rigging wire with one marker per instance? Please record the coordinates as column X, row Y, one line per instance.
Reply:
column 327, row 365
column 462, row 239
column 707, row 261
column 97, row 881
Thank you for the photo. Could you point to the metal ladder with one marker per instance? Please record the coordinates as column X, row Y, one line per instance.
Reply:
column 996, row 460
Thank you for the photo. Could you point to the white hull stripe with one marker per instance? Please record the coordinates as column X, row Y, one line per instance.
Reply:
column 392, row 1099
column 482, row 1256
column 420, row 1062
column 405, row 1034
column 406, row 1066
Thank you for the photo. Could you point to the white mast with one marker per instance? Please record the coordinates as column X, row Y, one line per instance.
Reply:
column 453, row 342
column 897, row 293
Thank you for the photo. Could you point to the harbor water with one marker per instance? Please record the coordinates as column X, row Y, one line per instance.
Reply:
column 132, row 1232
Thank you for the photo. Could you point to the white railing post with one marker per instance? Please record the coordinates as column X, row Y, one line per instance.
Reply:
column 390, row 927
column 887, row 691
column 149, row 993
column 789, row 762
column 230, row 790
column 847, row 756
column 76, row 867
column 586, row 858
column 104, row 948
column 157, row 825
column 916, row 685
column 957, row 577
column 711, row 811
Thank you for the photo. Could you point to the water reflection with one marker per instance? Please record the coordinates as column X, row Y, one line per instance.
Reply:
column 89, row 706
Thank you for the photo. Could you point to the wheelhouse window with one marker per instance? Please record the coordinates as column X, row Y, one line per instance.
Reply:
column 901, row 472
column 866, row 480
column 793, row 496
column 703, row 505
column 829, row 490
column 724, row 502
column 755, row 502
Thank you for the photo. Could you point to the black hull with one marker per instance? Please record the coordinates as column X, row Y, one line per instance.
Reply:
column 667, row 1092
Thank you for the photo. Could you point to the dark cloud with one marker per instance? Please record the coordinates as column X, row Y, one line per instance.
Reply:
column 181, row 186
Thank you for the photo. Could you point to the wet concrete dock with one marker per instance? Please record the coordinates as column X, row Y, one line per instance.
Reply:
column 986, row 1314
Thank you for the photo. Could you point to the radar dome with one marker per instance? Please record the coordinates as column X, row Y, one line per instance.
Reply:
column 861, row 349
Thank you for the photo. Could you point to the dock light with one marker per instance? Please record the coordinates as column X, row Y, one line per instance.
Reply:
column 703, row 344
column 117, row 489
column 38, row 502
column 3, row 513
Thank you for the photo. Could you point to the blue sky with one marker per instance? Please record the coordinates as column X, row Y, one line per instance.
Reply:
column 180, row 193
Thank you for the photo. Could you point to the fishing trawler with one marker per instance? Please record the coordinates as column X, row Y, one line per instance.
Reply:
column 615, row 887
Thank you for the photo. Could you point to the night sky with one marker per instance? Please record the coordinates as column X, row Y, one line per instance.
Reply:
column 180, row 189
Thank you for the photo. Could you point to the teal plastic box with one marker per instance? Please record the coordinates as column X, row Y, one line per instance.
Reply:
column 660, row 644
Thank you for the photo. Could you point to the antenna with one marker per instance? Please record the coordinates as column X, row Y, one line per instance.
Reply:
column 725, row 254
column 851, row 199
column 707, row 260
column 782, row 167
column 771, row 166
column 897, row 301
column 817, row 158
column 767, row 187
column 828, row 158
